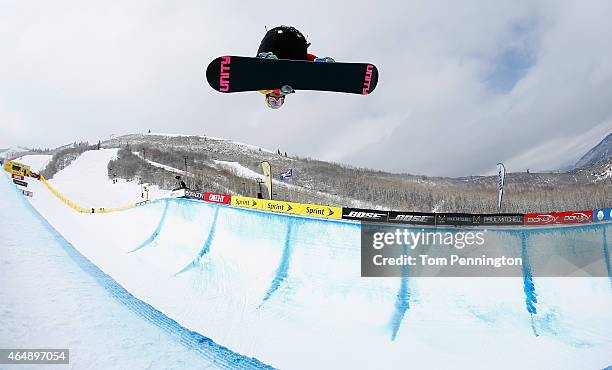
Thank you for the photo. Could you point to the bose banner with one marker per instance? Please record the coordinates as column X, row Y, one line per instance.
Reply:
column 414, row 218
column 602, row 215
column 501, row 172
column 360, row 214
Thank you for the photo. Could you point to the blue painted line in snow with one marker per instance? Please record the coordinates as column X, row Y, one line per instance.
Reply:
column 157, row 230
column 606, row 253
column 402, row 302
column 283, row 268
column 528, row 287
column 220, row 355
column 206, row 247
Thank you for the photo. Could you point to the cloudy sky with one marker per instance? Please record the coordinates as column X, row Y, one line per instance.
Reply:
column 463, row 85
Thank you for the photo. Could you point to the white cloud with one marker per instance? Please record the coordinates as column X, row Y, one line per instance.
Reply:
column 77, row 72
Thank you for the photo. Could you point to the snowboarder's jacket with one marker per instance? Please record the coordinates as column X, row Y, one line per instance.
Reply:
column 285, row 42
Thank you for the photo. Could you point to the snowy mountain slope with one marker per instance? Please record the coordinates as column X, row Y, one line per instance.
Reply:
column 37, row 162
column 85, row 181
column 321, row 182
column 601, row 152
column 12, row 152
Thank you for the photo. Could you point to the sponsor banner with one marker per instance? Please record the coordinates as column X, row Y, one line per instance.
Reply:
column 416, row 218
column 20, row 183
column 194, row 194
column 502, row 219
column 315, row 210
column 16, row 176
column 27, row 193
column 577, row 217
column 541, row 218
column 602, row 214
column 246, row 202
column 217, row 198
column 360, row 214
column 571, row 217
column 458, row 219
column 279, row 206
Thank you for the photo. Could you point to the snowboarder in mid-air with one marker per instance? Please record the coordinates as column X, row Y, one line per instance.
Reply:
column 283, row 65
column 284, row 42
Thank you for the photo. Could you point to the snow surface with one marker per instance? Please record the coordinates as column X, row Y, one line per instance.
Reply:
column 606, row 174
column 287, row 290
column 85, row 181
column 159, row 165
column 37, row 162
column 51, row 297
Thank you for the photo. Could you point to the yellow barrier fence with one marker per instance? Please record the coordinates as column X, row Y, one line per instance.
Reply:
column 312, row 210
column 79, row 208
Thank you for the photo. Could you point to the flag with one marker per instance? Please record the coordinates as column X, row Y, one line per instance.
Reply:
column 501, row 172
column 287, row 174
column 267, row 169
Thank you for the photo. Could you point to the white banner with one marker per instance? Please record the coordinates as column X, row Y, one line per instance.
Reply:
column 501, row 172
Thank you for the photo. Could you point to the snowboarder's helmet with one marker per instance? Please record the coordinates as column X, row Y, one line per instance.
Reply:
column 274, row 102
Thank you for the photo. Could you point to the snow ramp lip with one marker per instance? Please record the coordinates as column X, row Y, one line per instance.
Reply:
column 219, row 354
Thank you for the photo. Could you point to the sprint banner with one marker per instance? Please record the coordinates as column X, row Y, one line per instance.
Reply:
column 315, row 210
column 280, row 207
column 246, row 202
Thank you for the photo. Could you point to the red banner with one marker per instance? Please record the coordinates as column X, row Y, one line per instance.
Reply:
column 570, row 217
column 217, row 198
column 15, row 176
column 577, row 217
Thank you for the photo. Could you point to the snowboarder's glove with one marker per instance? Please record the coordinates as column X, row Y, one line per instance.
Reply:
column 325, row 60
column 286, row 90
column 267, row 55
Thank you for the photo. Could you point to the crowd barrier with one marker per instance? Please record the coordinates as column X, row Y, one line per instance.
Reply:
column 409, row 218
column 79, row 208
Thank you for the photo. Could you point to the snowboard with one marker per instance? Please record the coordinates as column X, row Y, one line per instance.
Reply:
column 229, row 74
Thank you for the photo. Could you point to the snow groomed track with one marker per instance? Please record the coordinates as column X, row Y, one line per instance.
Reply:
column 54, row 297
column 287, row 290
